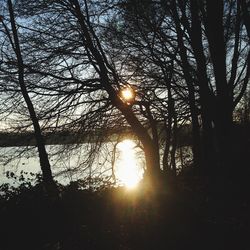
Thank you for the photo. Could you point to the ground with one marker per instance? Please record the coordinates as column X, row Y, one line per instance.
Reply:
column 189, row 214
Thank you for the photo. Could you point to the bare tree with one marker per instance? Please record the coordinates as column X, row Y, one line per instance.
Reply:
column 169, row 52
column 214, row 65
column 12, row 36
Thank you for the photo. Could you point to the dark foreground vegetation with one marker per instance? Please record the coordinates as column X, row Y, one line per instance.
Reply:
column 190, row 213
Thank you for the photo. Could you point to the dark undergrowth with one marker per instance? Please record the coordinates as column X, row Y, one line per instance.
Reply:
column 189, row 214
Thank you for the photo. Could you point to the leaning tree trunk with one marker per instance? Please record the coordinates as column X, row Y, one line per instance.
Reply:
column 43, row 156
column 150, row 147
column 101, row 64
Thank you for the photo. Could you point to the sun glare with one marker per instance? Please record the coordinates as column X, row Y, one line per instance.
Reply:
column 128, row 171
column 127, row 94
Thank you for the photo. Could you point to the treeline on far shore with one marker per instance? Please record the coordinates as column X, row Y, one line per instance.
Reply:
column 55, row 137
column 17, row 139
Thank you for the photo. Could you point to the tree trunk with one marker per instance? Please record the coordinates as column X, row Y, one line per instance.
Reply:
column 206, row 96
column 181, row 157
column 224, row 98
column 43, row 156
column 91, row 41
column 165, row 158
column 246, row 15
column 174, row 146
column 150, row 147
column 191, row 91
column 168, row 141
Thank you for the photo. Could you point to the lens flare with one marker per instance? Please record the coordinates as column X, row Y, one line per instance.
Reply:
column 127, row 95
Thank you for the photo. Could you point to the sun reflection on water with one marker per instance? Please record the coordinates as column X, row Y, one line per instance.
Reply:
column 128, row 169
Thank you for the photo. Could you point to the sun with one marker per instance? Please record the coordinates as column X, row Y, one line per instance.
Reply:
column 127, row 94
column 128, row 170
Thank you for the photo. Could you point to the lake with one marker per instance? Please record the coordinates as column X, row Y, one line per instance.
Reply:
column 72, row 162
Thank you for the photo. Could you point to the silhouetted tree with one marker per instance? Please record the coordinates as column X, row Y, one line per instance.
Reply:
column 210, row 50
column 100, row 85
column 12, row 37
column 188, row 61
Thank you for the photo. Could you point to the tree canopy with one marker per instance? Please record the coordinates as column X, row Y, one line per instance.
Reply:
column 187, row 61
